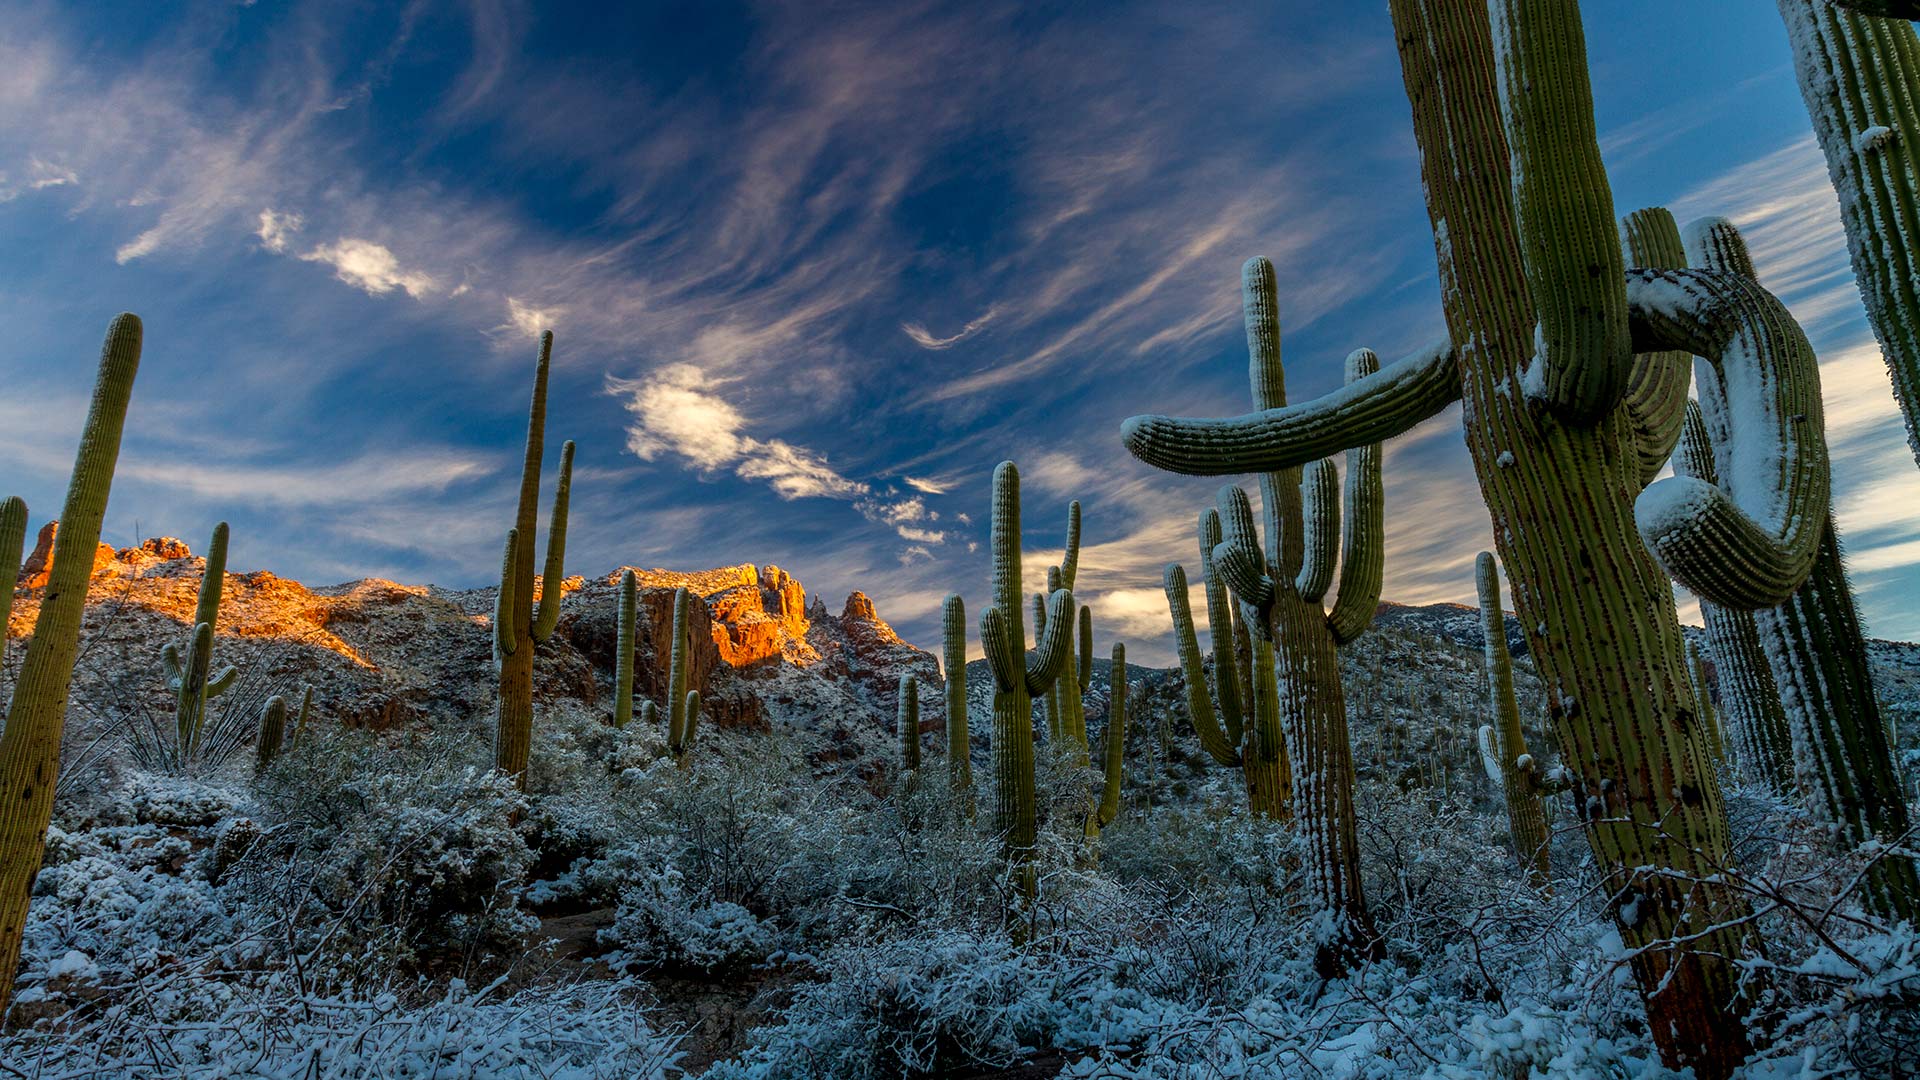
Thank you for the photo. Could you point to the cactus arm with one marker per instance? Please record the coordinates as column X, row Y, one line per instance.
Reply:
column 207, row 609
column 908, row 721
column 677, row 673
column 273, row 729
column 1363, row 545
column 552, row 592
column 170, row 663
column 191, row 703
column 1489, row 752
column 1320, row 514
column 1086, row 649
column 683, row 746
column 1005, row 543
column 13, row 537
column 1050, row 704
column 1050, row 652
column 1228, row 684
column 1115, row 742
column 1563, row 210
column 1504, row 741
column 1656, row 397
column 504, row 638
column 954, row 665
column 1369, row 410
column 1750, row 541
column 1237, row 557
column 1199, row 707
column 623, row 651
column 1070, row 560
column 996, row 643
column 219, row 684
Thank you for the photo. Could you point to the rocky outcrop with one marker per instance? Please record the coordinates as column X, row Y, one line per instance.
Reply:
column 861, row 647
column 39, row 562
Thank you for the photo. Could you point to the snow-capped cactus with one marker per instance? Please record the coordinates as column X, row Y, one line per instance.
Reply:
column 1656, row 397
column 1560, row 491
column 953, row 620
column 518, row 626
column 1017, row 676
column 1857, row 72
column 273, row 731
column 908, row 722
column 190, row 677
column 1817, row 652
column 1503, row 743
column 623, row 650
column 36, row 713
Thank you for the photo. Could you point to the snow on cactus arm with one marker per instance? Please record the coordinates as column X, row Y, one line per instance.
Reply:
column 1656, row 397
column 1749, row 541
column 1320, row 511
column 1563, row 208
column 1368, row 410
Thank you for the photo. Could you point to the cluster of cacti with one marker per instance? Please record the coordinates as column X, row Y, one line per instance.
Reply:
column 1857, row 72
column 1503, row 744
column 188, row 677
column 518, row 627
column 1018, row 675
column 908, row 723
column 953, row 627
column 1810, row 632
column 1293, row 742
column 1543, row 331
column 36, row 714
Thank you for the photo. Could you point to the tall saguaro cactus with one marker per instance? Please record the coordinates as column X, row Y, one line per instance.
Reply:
column 1857, row 72
column 36, row 714
column 1113, row 746
column 683, row 705
column 1561, row 483
column 518, row 626
column 1017, row 676
column 1813, row 640
column 908, row 722
column 189, row 676
column 954, row 664
column 623, row 658
column 1502, row 743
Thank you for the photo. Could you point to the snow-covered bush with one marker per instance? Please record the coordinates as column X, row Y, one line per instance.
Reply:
column 659, row 925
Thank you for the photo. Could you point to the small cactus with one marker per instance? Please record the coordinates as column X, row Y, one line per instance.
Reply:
column 623, row 658
column 1113, row 745
column 190, row 677
column 908, row 723
column 273, row 729
column 300, row 726
column 1503, row 745
column 683, row 705
column 954, row 663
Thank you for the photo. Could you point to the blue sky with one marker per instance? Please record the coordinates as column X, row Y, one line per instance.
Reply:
column 813, row 270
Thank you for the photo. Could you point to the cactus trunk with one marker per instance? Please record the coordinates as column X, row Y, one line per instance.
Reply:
column 623, row 657
column 1504, row 740
column 908, row 723
column 954, row 663
column 273, row 729
column 36, row 716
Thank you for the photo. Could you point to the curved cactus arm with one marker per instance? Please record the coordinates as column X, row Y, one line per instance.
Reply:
column 170, row 663
column 1563, row 211
column 1489, row 753
column 997, row 644
column 1115, row 743
column 551, row 590
column 1656, row 397
column 1363, row 546
column 1050, row 704
column 1228, row 685
column 207, row 608
column 1320, row 513
column 681, row 744
column 219, row 684
column 1055, row 644
column 908, row 722
column 1749, row 542
column 1070, row 561
column 1206, row 726
column 13, row 538
column 623, row 650
column 1086, row 649
column 504, row 638
column 1369, row 410
column 1237, row 557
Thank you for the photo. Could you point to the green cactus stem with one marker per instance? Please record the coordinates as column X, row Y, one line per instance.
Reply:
column 623, row 652
column 13, row 538
column 1703, row 702
column 190, row 678
column 1223, row 628
column 649, row 714
column 1656, row 396
column 306, row 712
column 273, row 729
column 1817, row 651
column 1113, row 744
column 682, row 703
column 518, row 627
column 1857, row 72
column 36, row 715
column 1750, row 700
column 953, row 617
column 1503, row 744
column 908, row 724
column 1017, row 676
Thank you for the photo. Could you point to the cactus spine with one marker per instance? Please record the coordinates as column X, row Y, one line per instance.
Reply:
column 1560, row 489
column 518, row 626
column 1857, row 74
column 1502, row 743
column 623, row 658
column 36, row 715
column 908, row 724
column 189, row 677
column 1017, row 676
column 1817, row 651
column 683, row 705
column 273, row 730
column 954, row 661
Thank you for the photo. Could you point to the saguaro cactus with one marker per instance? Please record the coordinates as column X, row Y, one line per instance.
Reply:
column 1503, row 745
column 518, row 626
column 1857, row 73
column 1813, row 640
column 189, row 677
column 1113, row 746
column 954, row 663
column 1017, row 676
column 273, row 729
column 908, row 723
column 683, row 705
column 1560, row 487
column 36, row 714
column 1704, row 703
column 306, row 711
column 623, row 659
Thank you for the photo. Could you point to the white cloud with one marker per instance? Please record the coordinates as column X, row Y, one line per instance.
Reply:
column 527, row 319
column 277, row 229
column 370, row 266
column 929, row 487
column 925, row 339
